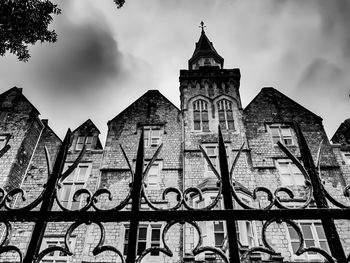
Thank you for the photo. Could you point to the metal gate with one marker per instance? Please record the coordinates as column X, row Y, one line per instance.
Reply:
column 274, row 212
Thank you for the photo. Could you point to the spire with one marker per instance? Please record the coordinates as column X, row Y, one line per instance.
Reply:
column 205, row 53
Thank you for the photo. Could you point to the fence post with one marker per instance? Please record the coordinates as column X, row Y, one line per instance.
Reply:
column 228, row 202
column 48, row 199
column 136, row 201
column 320, row 198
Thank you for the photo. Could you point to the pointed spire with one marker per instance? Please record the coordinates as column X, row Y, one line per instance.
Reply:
column 205, row 52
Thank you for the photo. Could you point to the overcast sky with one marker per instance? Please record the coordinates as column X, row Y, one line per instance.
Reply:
column 105, row 58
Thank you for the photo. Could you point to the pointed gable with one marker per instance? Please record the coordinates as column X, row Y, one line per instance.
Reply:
column 13, row 100
column 88, row 134
column 270, row 108
column 342, row 135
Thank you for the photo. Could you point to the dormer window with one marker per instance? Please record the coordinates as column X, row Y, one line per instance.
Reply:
column 84, row 140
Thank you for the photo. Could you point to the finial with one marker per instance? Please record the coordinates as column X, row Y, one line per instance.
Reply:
column 202, row 26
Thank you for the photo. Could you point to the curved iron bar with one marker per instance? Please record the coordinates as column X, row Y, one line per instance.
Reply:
column 37, row 201
column 5, row 248
column 301, row 247
column 288, row 191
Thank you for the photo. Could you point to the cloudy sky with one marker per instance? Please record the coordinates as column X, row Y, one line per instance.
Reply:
column 105, row 57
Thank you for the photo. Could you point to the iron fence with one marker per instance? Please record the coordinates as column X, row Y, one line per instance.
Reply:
column 182, row 212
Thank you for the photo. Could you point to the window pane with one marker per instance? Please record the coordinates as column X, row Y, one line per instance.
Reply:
column 197, row 125
column 88, row 139
column 223, row 125
column 82, row 173
column 295, row 246
column 218, row 226
column 320, row 231
column 141, row 246
column 324, row 245
column 204, row 116
column 219, row 239
column 211, row 150
column 292, row 233
column 286, row 132
column 229, row 115
column 306, row 228
column 142, row 233
column 197, row 115
column 81, row 139
column 155, row 235
column 275, row 131
column 155, row 141
column 231, row 124
column 286, row 179
column 299, row 179
column 205, row 126
column 66, row 189
column 276, row 139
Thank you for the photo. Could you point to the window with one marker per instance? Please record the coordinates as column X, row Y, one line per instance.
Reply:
column 56, row 256
column 3, row 141
column 75, row 181
column 225, row 113
column 314, row 236
column 153, row 177
column 84, row 140
column 212, row 151
column 149, row 236
column 281, row 133
column 289, row 173
column 245, row 232
column 152, row 136
column 200, row 115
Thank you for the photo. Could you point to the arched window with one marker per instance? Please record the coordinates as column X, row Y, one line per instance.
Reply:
column 226, row 115
column 200, row 115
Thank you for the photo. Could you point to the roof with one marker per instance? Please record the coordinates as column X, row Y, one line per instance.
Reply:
column 87, row 123
column 342, row 135
column 149, row 93
column 19, row 92
column 269, row 91
column 205, row 48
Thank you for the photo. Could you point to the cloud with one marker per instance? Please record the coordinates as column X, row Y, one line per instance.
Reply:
column 85, row 55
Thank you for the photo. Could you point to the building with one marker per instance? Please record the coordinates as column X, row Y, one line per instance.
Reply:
column 209, row 97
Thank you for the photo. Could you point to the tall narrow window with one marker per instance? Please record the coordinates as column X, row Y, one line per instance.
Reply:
column 225, row 112
column 282, row 133
column 200, row 115
column 212, row 151
column 75, row 181
column 153, row 177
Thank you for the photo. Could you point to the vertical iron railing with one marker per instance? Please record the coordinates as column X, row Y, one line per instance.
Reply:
column 181, row 213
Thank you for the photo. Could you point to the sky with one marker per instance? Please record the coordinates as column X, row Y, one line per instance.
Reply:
column 105, row 58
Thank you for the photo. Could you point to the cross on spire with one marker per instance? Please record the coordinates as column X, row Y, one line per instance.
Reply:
column 202, row 26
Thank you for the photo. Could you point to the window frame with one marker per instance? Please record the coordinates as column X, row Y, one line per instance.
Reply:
column 148, row 240
column 224, row 106
column 280, row 127
column 214, row 156
column 293, row 175
column 85, row 141
column 55, row 256
column 307, row 256
column 76, row 180
column 156, row 185
column 201, row 107
column 149, row 135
